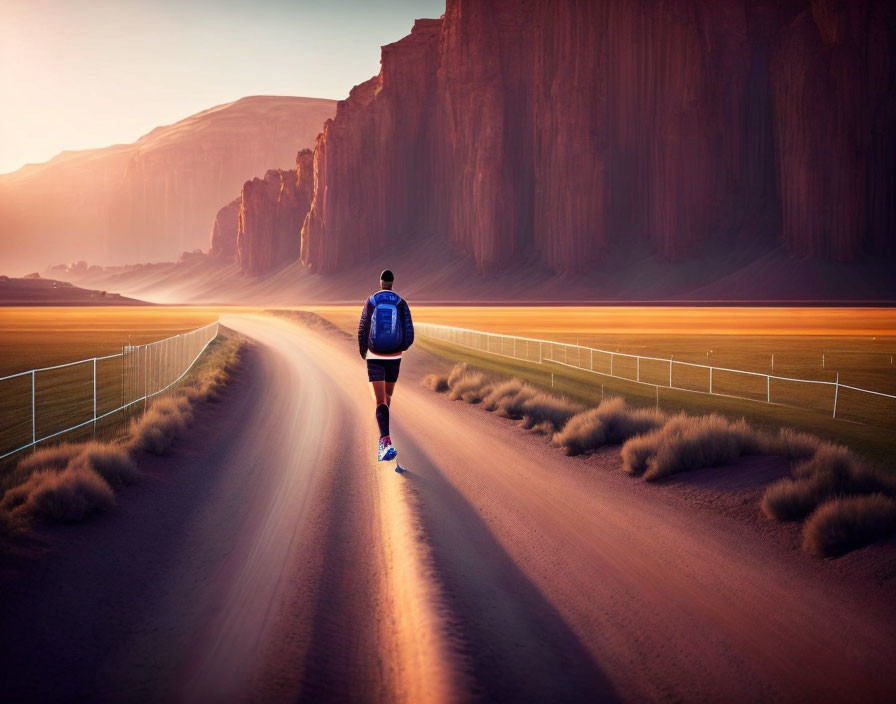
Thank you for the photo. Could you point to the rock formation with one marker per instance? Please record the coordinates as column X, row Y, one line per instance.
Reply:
column 561, row 128
column 153, row 199
column 270, row 216
column 223, row 239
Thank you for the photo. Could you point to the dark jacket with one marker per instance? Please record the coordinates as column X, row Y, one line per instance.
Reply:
column 367, row 312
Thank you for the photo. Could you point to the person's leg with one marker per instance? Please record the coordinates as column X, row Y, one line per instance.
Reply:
column 376, row 374
column 391, row 376
column 380, row 391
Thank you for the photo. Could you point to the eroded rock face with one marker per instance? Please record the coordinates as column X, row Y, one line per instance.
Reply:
column 372, row 162
column 224, row 231
column 154, row 198
column 270, row 217
column 833, row 88
column 557, row 128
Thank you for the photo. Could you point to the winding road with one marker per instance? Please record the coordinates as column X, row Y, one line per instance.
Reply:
column 270, row 558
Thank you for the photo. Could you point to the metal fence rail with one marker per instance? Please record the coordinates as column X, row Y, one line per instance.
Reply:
column 41, row 404
column 839, row 400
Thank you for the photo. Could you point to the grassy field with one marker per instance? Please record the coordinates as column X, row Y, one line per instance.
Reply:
column 37, row 337
column 33, row 337
column 808, row 343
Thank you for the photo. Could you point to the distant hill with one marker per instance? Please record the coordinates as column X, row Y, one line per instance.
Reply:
column 155, row 198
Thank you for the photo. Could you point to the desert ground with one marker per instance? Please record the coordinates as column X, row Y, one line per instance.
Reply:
column 270, row 557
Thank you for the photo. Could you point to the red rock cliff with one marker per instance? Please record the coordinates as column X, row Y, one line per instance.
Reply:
column 271, row 213
column 561, row 127
column 224, row 231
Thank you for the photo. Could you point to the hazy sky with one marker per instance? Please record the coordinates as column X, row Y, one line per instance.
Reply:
column 89, row 73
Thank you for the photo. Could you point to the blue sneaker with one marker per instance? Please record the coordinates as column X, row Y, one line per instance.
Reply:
column 386, row 452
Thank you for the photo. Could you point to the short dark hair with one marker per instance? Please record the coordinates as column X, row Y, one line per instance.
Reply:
column 387, row 276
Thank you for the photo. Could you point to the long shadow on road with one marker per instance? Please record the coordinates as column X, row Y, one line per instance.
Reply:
column 517, row 645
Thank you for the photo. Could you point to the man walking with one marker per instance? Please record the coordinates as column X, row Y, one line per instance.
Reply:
column 385, row 331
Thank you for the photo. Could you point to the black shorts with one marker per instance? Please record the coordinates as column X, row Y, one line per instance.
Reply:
column 383, row 369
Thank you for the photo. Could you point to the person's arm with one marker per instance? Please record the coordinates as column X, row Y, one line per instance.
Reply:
column 364, row 329
column 408, row 336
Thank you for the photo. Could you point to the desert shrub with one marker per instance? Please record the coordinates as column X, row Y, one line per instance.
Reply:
column 156, row 430
column 790, row 499
column 795, row 445
column 833, row 471
column 471, row 387
column 848, row 523
column 503, row 390
column 56, row 457
column 702, row 441
column 513, row 405
column 689, row 442
column 636, row 451
column 612, row 422
column 436, row 382
column 555, row 411
column 457, row 371
column 112, row 462
column 68, row 495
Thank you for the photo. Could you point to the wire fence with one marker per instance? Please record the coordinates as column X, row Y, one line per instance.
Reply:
column 93, row 394
column 831, row 397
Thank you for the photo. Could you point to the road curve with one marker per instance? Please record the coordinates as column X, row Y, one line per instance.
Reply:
column 272, row 559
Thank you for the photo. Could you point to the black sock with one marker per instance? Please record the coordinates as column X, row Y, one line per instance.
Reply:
column 382, row 419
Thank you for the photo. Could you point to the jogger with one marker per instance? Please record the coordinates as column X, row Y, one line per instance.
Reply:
column 384, row 333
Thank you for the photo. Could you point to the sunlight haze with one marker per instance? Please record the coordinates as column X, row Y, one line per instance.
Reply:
column 77, row 75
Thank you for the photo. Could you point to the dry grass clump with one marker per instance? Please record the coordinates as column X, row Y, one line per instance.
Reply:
column 611, row 423
column 111, row 461
column 68, row 495
column 436, row 382
column 689, row 442
column 156, row 430
column 849, row 523
column 505, row 391
column 513, row 398
column 833, row 471
column 794, row 444
column 548, row 413
column 55, row 457
column 472, row 387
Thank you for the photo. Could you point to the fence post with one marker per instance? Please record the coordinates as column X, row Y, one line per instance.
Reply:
column 33, row 412
column 836, row 393
column 611, row 364
column 710, row 380
column 670, row 372
column 768, row 389
column 94, row 396
column 592, row 359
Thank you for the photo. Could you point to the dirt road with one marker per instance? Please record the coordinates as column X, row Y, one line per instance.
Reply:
column 270, row 558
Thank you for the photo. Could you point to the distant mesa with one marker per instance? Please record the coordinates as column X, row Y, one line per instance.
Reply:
column 33, row 290
column 153, row 199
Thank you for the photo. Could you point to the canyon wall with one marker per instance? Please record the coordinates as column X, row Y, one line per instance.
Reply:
column 557, row 129
column 271, row 213
column 224, row 231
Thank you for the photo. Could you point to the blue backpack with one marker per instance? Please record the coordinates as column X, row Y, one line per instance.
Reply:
column 386, row 333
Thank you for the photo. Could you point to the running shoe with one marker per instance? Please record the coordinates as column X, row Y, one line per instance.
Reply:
column 386, row 452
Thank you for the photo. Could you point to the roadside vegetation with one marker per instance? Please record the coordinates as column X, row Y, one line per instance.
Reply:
column 70, row 481
column 845, row 501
